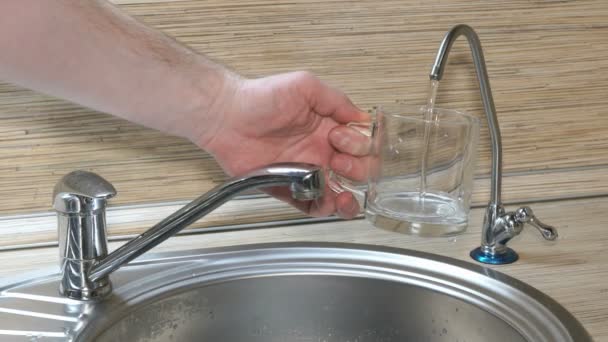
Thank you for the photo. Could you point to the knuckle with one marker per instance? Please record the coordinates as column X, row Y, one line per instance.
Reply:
column 306, row 77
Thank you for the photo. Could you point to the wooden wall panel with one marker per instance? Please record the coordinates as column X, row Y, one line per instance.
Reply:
column 548, row 64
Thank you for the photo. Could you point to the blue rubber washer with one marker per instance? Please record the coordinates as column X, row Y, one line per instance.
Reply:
column 507, row 257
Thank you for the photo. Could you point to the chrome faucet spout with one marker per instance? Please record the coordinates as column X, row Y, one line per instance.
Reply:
column 499, row 227
column 80, row 202
column 486, row 96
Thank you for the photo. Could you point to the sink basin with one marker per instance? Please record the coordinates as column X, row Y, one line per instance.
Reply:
column 293, row 292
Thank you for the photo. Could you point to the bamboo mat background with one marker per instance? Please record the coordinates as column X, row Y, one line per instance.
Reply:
column 547, row 61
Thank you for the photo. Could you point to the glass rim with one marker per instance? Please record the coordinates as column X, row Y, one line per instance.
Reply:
column 397, row 110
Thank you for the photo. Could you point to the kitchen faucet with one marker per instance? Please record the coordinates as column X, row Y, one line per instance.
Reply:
column 80, row 200
column 499, row 226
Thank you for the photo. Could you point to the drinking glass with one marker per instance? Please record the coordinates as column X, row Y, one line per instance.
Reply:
column 420, row 170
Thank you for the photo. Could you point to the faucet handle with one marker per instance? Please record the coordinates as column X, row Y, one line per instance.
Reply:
column 526, row 215
column 80, row 200
column 81, row 191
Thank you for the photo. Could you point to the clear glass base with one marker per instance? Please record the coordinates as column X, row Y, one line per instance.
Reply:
column 433, row 215
column 423, row 229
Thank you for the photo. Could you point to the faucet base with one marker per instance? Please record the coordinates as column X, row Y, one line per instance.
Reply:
column 100, row 290
column 506, row 257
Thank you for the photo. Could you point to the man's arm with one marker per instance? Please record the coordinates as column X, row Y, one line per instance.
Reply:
column 92, row 53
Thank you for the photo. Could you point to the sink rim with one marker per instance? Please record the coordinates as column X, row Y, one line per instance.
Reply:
column 142, row 281
column 372, row 261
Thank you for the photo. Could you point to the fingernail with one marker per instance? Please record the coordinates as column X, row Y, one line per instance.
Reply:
column 354, row 208
column 342, row 165
column 352, row 211
column 341, row 139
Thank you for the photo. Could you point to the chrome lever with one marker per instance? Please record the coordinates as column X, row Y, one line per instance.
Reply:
column 80, row 200
column 526, row 215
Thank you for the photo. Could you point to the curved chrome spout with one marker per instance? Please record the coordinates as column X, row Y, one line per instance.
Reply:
column 305, row 182
column 499, row 227
column 486, row 96
column 80, row 202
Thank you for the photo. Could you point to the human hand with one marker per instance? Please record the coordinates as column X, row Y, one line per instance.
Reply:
column 246, row 124
column 292, row 117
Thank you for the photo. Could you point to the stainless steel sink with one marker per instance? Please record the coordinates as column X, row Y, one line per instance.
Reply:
column 293, row 292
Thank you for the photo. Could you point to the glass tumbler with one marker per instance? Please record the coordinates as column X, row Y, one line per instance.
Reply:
column 420, row 170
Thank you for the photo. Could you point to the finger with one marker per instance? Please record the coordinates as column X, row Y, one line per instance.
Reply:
column 328, row 101
column 347, row 206
column 343, row 204
column 324, row 206
column 356, row 169
column 349, row 140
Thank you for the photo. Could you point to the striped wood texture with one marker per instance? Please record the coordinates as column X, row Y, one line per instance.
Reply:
column 547, row 62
